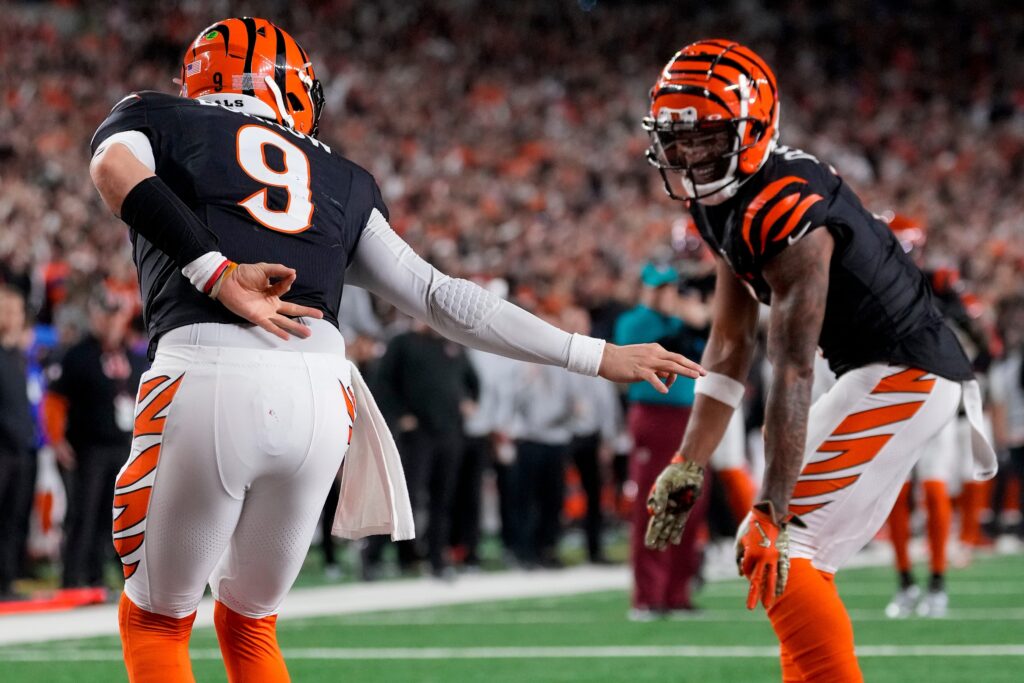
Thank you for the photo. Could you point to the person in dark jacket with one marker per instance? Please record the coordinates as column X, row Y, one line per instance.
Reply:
column 92, row 393
column 427, row 385
column 17, row 436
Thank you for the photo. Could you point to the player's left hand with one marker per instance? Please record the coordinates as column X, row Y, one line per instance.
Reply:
column 672, row 496
column 249, row 291
column 648, row 362
column 762, row 553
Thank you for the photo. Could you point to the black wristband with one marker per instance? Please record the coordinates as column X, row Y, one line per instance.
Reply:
column 153, row 210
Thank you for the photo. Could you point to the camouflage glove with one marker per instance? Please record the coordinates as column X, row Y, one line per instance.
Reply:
column 669, row 503
column 762, row 553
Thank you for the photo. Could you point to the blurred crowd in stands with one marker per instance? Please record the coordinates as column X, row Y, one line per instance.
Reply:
column 506, row 140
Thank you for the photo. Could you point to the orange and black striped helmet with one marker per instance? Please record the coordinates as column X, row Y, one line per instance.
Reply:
column 258, row 64
column 713, row 120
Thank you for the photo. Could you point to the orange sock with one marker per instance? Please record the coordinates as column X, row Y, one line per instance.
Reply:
column 155, row 647
column 813, row 627
column 971, row 501
column 249, row 647
column 899, row 529
column 739, row 491
column 940, row 517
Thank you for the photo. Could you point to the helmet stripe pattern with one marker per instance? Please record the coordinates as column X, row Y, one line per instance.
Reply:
column 280, row 61
column 250, row 33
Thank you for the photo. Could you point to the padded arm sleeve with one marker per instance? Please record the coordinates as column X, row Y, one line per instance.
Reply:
column 459, row 309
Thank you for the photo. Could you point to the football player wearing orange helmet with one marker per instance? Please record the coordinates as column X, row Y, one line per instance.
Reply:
column 250, row 405
column 788, row 232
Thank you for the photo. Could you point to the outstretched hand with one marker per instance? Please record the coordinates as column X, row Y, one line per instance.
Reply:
column 648, row 362
column 251, row 292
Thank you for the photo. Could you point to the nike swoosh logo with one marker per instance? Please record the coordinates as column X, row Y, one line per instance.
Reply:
column 765, row 543
column 793, row 238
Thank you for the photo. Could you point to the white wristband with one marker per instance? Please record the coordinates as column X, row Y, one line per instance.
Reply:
column 721, row 388
column 204, row 271
column 585, row 354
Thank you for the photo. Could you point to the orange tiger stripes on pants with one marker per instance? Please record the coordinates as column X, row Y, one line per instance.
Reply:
column 863, row 437
column 134, row 483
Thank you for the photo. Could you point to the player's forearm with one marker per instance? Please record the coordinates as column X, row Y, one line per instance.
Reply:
column 705, row 429
column 461, row 310
column 799, row 281
column 786, row 412
column 142, row 200
column 727, row 358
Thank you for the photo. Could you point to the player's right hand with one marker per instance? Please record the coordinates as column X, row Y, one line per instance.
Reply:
column 762, row 553
column 648, row 362
column 673, row 495
column 249, row 291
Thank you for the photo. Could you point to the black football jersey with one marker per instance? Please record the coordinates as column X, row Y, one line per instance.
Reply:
column 267, row 192
column 880, row 307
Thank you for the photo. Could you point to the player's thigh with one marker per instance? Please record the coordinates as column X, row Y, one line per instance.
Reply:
column 853, row 473
column 172, row 515
column 281, row 510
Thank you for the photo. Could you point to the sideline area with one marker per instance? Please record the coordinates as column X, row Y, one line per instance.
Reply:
column 101, row 620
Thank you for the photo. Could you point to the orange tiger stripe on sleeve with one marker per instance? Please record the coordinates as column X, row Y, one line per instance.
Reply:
column 798, row 213
column 762, row 198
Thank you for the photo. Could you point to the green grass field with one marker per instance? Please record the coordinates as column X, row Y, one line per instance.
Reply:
column 587, row 638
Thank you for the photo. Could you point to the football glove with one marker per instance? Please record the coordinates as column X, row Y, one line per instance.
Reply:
column 669, row 503
column 762, row 553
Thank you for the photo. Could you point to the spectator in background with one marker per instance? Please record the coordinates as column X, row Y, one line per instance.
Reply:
column 486, row 446
column 597, row 421
column 540, row 403
column 661, row 580
column 17, row 436
column 362, row 330
column 426, row 384
column 1007, row 395
column 89, row 417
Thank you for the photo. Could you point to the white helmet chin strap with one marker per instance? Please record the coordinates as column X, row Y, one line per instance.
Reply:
column 285, row 116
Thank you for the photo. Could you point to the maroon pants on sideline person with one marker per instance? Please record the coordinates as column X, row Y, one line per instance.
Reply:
column 661, row 579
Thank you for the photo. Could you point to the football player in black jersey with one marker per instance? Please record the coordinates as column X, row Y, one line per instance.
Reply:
column 243, row 420
column 790, row 233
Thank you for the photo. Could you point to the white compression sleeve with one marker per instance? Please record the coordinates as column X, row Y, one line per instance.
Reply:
column 459, row 309
column 136, row 142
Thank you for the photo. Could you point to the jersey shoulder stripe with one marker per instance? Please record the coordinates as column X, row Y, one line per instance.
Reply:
column 779, row 213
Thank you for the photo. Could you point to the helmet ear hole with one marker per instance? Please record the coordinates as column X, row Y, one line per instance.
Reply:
column 294, row 102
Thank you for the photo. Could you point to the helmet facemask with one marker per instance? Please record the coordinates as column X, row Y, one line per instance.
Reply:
column 698, row 160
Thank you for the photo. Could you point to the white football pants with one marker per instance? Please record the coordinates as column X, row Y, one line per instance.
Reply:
column 863, row 437
column 238, row 438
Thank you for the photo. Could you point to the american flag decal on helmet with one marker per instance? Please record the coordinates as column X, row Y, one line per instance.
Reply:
column 193, row 68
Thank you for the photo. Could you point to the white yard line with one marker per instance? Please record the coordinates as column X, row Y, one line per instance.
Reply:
column 480, row 618
column 586, row 652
